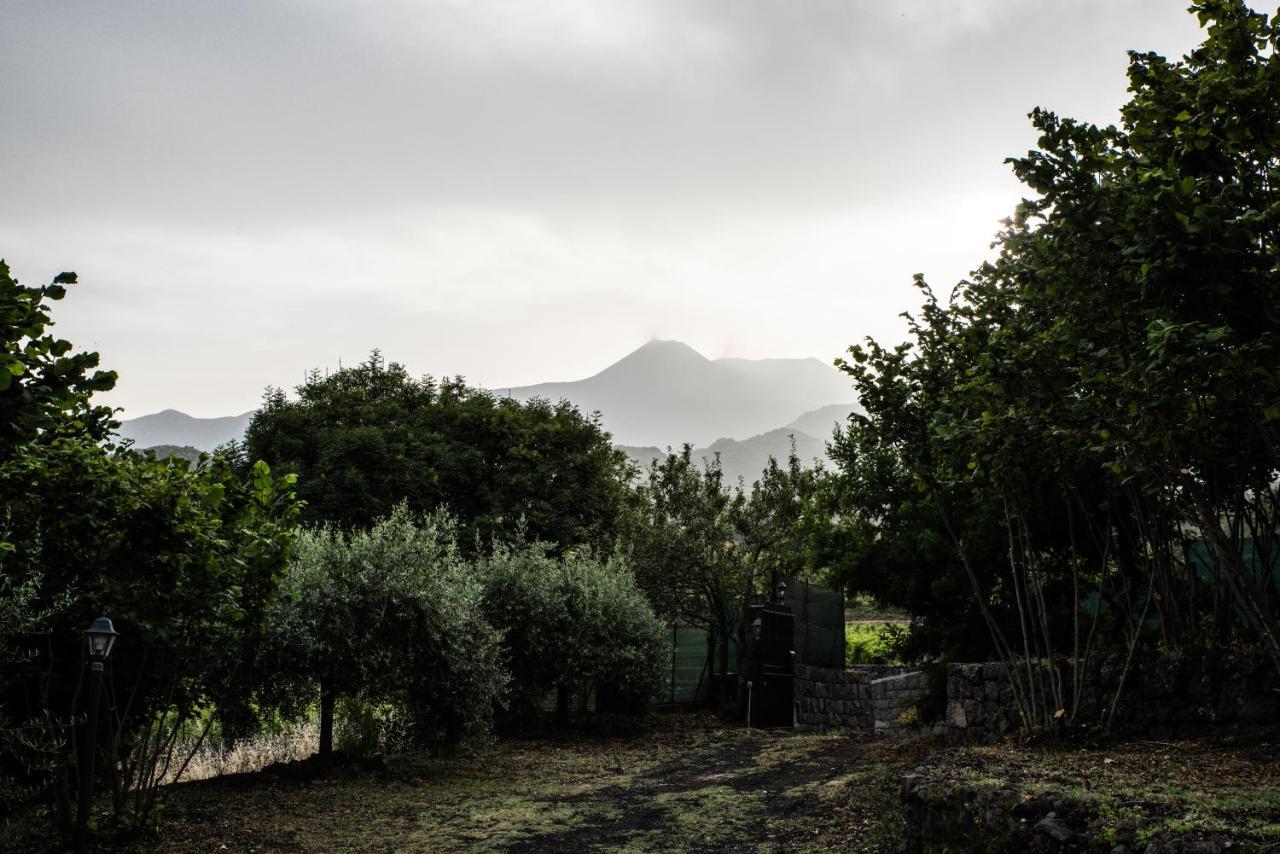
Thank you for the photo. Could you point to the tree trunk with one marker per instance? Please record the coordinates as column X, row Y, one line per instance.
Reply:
column 562, row 705
column 326, row 719
column 724, row 667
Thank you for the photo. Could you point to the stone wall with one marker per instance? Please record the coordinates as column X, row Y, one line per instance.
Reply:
column 891, row 696
column 864, row 697
column 1162, row 694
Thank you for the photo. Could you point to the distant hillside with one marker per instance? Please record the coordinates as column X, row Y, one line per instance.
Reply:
column 667, row 393
column 745, row 458
column 171, row 427
column 184, row 452
column 820, row 423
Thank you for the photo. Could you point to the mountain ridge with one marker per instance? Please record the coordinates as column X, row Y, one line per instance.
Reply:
column 667, row 393
column 663, row 394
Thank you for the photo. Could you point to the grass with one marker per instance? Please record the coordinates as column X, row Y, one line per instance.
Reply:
column 686, row 782
column 214, row 759
column 1226, row 786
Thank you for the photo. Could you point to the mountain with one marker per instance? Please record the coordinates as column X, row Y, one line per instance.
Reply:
column 663, row 394
column 183, row 452
column 745, row 458
column 172, row 427
column 821, row 423
column 667, row 393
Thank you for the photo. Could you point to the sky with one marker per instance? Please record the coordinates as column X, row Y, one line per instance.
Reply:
column 519, row 192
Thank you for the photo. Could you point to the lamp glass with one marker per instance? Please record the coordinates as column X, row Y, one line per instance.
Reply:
column 102, row 637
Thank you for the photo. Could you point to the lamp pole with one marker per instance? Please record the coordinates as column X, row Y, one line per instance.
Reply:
column 101, row 636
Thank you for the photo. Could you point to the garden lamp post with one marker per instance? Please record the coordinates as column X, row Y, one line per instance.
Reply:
column 101, row 637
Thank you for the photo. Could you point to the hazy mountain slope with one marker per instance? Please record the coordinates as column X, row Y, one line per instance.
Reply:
column 171, row 427
column 666, row 393
column 185, row 452
column 820, row 423
column 747, row 457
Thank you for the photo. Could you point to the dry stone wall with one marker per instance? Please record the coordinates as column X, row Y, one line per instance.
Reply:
column 1161, row 694
column 864, row 697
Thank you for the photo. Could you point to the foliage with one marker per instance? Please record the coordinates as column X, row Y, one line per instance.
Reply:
column 702, row 553
column 866, row 643
column 573, row 622
column 44, row 387
column 1100, row 397
column 366, row 438
column 389, row 615
column 183, row 559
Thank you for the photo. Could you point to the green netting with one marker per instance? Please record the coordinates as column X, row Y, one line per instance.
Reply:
column 819, row 624
column 689, row 678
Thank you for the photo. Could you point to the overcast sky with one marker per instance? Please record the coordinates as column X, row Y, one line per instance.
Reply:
column 518, row 191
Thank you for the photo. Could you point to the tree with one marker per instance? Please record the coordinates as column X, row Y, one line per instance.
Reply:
column 702, row 553
column 391, row 614
column 571, row 623
column 183, row 559
column 1100, row 399
column 366, row 438
column 44, row 387
column 679, row 541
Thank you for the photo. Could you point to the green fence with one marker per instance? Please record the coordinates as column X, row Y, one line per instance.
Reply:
column 819, row 642
column 689, row 675
column 819, row 625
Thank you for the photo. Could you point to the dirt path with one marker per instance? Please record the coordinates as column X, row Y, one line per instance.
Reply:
column 686, row 783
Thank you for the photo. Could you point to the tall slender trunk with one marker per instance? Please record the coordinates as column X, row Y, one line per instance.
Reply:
column 326, row 718
column 562, row 705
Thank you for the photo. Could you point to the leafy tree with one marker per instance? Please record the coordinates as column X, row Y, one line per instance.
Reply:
column 183, row 559
column 366, row 438
column 44, row 387
column 391, row 614
column 702, row 552
column 1101, row 396
column 679, row 541
column 569, row 624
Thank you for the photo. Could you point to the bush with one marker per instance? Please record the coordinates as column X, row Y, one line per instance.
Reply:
column 883, row 644
column 389, row 616
column 571, row 623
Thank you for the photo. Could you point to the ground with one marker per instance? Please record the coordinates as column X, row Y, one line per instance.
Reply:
column 1223, row 785
column 682, row 782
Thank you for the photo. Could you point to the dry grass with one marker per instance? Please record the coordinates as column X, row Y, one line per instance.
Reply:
column 214, row 759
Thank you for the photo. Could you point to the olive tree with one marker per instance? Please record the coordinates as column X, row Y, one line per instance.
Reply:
column 571, row 623
column 391, row 614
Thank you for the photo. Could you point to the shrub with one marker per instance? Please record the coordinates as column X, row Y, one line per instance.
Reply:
column 571, row 623
column 391, row 615
column 883, row 644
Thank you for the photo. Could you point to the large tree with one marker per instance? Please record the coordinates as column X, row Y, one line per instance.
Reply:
column 1100, row 401
column 702, row 552
column 44, row 386
column 183, row 558
column 369, row 437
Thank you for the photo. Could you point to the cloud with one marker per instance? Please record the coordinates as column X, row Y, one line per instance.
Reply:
column 519, row 191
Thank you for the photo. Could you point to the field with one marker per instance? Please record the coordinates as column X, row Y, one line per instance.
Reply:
column 685, row 782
